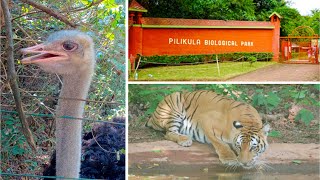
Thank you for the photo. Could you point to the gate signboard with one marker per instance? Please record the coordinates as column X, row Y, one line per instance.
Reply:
column 150, row 36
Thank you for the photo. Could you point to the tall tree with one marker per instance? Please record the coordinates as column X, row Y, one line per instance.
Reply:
column 263, row 8
column 314, row 20
column 200, row 9
column 291, row 19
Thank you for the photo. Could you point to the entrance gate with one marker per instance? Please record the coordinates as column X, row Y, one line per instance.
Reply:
column 300, row 49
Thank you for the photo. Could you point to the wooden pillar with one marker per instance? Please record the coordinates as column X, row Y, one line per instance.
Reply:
column 135, row 37
column 275, row 20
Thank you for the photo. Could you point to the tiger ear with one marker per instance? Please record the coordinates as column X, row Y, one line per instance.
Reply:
column 266, row 128
column 237, row 124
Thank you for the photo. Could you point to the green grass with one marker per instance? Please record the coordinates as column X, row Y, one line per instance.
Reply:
column 202, row 72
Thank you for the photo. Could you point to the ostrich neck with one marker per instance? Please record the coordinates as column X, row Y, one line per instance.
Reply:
column 68, row 132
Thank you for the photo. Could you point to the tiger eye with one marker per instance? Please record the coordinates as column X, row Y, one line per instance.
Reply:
column 237, row 124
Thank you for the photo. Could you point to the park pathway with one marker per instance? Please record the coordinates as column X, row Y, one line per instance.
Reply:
column 283, row 72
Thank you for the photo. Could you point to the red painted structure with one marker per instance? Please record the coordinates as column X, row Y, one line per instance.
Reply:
column 169, row 36
column 305, row 48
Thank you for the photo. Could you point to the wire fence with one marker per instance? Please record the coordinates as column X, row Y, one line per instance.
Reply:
column 4, row 117
column 63, row 117
column 36, row 176
column 196, row 63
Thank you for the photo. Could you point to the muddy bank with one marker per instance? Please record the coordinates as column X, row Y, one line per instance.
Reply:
column 165, row 159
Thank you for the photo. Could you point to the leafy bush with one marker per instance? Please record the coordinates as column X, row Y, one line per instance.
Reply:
column 252, row 60
column 305, row 116
column 147, row 61
column 267, row 99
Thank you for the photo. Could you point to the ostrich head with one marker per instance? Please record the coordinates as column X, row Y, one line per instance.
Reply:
column 65, row 52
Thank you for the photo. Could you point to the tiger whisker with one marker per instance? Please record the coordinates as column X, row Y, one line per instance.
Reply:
column 235, row 167
column 257, row 168
column 265, row 166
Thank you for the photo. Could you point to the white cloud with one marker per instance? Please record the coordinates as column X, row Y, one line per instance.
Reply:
column 305, row 6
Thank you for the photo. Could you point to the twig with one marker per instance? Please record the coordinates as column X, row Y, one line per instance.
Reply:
column 12, row 77
column 100, row 145
column 87, row 7
column 25, row 32
column 25, row 14
column 71, row 11
column 20, row 39
column 51, row 12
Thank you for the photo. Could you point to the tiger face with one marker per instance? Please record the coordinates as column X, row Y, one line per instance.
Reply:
column 249, row 144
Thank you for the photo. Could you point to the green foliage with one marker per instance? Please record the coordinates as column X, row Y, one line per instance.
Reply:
column 200, row 72
column 274, row 133
column 12, row 140
column 305, row 116
column 32, row 165
column 252, row 60
column 157, row 151
column 272, row 101
column 290, row 19
column 317, row 87
column 203, row 9
column 263, row 8
column 313, row 21
column 155, row 93
column 301, row 94
column 233, row 10
column 267, row 99
column 151, row 95
column 268, row 102
column 296, row 161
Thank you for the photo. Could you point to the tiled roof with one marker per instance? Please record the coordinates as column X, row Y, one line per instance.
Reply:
column 198, row 23
column 275, row 13
column 135, row 6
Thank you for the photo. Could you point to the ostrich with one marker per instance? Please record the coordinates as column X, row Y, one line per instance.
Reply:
column 96, row 163
column 69, row 53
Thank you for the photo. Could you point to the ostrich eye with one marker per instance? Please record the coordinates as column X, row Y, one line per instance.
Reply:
column 69, row 46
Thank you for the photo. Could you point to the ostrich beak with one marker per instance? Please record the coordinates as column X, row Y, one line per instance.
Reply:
column 42, row 55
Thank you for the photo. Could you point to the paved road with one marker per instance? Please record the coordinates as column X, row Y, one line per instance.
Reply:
column 283, row 72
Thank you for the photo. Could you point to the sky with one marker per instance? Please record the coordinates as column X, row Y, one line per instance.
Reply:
column 305, row 6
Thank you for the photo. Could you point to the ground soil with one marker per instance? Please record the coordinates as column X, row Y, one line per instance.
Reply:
column 165, row 159
column 283, row 72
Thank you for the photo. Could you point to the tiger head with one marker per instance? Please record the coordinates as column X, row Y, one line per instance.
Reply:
column 249, row 143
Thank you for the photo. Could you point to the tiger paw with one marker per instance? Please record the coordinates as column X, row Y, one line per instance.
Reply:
column 181, row 139
column 185, row 143
column 228, row 158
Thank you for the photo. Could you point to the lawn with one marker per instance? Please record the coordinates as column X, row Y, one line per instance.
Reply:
column 202, row 72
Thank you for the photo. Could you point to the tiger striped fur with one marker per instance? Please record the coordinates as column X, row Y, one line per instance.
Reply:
column 234, row 128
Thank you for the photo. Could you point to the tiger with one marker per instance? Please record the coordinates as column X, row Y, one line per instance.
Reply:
column 234, row 128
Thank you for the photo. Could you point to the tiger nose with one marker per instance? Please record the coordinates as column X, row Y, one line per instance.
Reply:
column 247, row 164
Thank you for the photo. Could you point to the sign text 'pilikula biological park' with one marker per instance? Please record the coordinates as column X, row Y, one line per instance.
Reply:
column 208, row 42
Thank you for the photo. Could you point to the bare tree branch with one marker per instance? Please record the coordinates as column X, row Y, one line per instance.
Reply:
column 51, row 12
column 94, row 3
column 87, row 7
column 12, row 76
